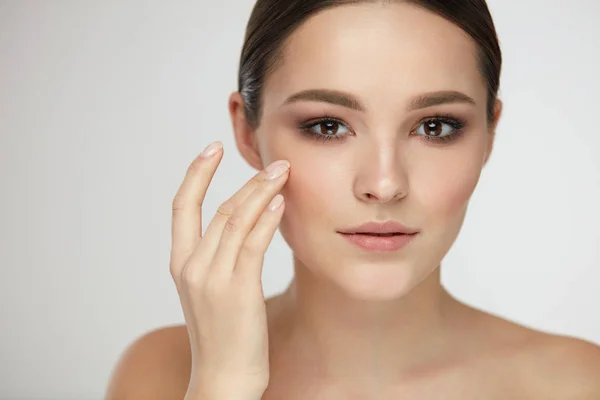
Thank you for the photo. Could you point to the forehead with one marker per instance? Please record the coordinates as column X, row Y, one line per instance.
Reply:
column 377, row 52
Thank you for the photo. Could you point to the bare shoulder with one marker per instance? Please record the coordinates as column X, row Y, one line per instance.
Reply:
column 154, row 366
column 549, row 366
column 563, row 367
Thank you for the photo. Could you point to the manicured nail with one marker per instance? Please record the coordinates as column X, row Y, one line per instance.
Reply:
column 276, row 202
column 212, row 149
column 277, row 169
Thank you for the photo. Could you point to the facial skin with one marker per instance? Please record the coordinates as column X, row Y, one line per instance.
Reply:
column 383, row 167
column 356, row 306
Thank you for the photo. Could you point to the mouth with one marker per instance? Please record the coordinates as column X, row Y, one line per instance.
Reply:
column 380, row 236
column 379, row 242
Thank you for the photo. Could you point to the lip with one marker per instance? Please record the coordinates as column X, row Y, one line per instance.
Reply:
column 365, row 236
column 380, row 227
column 379, row 243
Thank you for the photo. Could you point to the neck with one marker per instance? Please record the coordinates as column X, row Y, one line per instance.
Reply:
column 342, row 338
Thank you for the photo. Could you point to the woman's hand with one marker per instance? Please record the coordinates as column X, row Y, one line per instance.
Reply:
column 218, row 277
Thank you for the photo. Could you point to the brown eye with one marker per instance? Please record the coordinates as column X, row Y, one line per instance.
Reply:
column 435, row 128
column 329, row 128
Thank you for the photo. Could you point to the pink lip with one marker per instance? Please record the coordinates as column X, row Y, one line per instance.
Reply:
column 380, row 227
column 379, row 243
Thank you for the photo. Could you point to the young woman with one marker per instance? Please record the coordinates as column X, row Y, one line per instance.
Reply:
column 369, row 123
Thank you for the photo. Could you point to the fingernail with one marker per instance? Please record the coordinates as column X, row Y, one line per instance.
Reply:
column 277, row 169
column 211, row 149
column 276, row 202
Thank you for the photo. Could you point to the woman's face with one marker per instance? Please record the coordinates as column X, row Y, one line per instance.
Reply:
column 376, row 157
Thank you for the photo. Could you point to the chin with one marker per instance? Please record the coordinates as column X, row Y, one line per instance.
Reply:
column 381, row 281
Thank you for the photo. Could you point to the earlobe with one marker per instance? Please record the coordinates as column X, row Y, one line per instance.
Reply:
column 245, row 136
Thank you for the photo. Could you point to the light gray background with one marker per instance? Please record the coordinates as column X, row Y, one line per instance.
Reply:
column 104, row 104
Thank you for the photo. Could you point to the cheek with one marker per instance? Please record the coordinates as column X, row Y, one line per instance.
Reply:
column 443, row 188
column 310, row 193
column 305, row 201
column 312, row 197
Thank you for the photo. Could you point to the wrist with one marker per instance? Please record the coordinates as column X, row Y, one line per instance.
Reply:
column 224, row 388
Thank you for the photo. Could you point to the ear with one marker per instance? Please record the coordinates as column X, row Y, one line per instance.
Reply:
column 492, row 133
column 245, row 136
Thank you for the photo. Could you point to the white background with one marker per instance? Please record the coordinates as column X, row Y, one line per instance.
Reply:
column 104, row 104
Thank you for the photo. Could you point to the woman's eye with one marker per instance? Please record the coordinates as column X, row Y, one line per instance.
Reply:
column 435, row 128
column 328, row 127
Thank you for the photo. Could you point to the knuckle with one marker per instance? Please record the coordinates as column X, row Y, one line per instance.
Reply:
column 178, row 202
column 190, row 277
column 256, row 180
column 174, row 271
column 252, row 247
column 175, row 267
column 233, row 224
column 226, row 209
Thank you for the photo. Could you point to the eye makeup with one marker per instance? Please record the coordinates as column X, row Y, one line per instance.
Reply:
column 457, row 128
column 439, row 128
column 319, row 128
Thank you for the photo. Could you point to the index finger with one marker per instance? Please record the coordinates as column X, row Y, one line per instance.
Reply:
column 186, row 225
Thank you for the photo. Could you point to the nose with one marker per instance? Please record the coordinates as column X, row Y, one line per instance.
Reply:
column 382, row 176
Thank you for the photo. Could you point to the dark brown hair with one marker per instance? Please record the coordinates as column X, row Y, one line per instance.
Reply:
column 273, row 21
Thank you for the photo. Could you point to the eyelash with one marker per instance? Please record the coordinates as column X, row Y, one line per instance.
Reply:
column 458, row 125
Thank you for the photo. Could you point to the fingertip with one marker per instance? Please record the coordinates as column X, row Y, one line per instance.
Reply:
column 276, row 203
column 212, row 149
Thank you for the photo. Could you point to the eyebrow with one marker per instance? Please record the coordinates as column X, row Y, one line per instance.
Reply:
column 348, row 101
column 327, row 96
column 437, row 98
